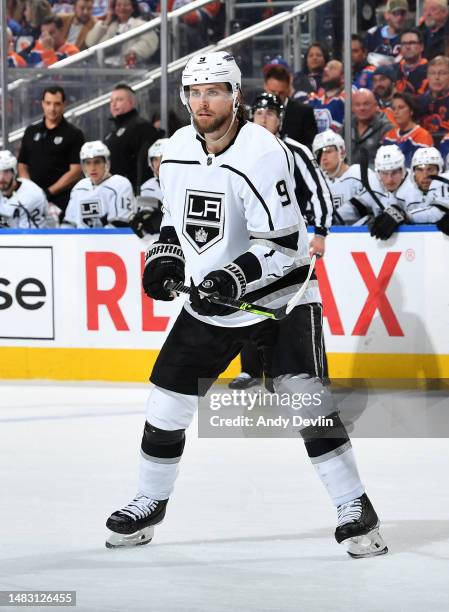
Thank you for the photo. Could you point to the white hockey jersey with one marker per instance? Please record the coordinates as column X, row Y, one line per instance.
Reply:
column 240, row 202
column 151, row 189
column 99, row 205
column 346, row 191
column 27, row 207
column 437, row 199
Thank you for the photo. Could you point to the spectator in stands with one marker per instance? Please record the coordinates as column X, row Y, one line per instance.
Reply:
column 35, row 13
column 408, row 136
column 384, row 40
column 203, row 25
column 130, row 137
column 368, row 125
column 79, row 23
column 383, row 89
column 435, row 27
column 308, row 80
column 411, row 72
column 59, row 7
column 52, row 45
column 122, row 16
column 299, row 122
column 362, row 70
column 14, row 15
column 434, row 104
column 329, row 102
column 50, row 150
column 14, row 59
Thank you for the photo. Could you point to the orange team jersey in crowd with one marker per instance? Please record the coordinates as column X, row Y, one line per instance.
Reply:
column 39, row 56
column 412, row 81
column 211, row 10
column 15, row 60
column 408, row 141
column 388, row 112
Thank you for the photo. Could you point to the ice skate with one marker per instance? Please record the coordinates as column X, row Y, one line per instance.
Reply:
column 358, row 528
column 243, row 381
column 134, row 524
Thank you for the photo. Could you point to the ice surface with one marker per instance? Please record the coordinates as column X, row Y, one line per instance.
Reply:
column 249, row 527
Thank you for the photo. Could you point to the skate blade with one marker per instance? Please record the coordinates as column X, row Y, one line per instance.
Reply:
column 121, row 540
column 369, row 545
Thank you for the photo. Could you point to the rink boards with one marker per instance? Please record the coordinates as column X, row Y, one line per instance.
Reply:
column 71, row 305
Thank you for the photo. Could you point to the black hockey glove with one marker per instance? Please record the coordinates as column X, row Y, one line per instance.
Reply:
column 443, row 224
column 146, row 222
column 384, row 224
column 227, row 282
column 163, row 262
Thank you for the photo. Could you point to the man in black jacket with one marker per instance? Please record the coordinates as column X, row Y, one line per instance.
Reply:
column 299, row 120
column 130, row 137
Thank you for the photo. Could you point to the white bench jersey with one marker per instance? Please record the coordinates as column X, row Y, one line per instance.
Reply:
column 26, row 207
column 97, row 205
column 240, row 202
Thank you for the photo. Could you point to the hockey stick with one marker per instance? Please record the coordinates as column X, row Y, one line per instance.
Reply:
column 272, row 313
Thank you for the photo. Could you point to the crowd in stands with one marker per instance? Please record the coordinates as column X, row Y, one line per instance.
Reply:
column 400, row 90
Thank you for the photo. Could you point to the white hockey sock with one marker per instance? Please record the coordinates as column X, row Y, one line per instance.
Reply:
column 340, row 476
column 156, row 480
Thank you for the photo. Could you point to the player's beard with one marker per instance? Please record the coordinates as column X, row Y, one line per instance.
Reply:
column 213, row 125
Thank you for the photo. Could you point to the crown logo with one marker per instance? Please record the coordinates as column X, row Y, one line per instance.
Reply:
column 201, row 235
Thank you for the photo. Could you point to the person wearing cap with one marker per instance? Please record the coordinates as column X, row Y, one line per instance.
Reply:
column 411, row 72
column 383, row 41
column 384, row 89
column 435, row 27
column 299, row 121
column 130, row 137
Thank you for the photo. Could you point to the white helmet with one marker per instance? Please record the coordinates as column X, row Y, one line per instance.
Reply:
column 427, row 156
column 214, row 67
column 157, row 149
column 8, row 162
column 389, row 157
column 328, row 138
column 94, row 148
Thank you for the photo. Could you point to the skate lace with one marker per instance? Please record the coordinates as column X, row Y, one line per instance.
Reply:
column 140, row 507
column 349, row 512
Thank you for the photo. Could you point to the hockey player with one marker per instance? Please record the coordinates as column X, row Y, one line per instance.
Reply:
column 426, row 194
column 230, row 216
column 22, row 203
column 100, row 199
column 149, row 215
column 344, row 181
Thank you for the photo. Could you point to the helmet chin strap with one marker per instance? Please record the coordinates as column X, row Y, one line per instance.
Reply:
column 334, row 174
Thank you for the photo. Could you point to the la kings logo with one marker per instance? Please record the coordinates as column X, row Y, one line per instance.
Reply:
column 203, row 219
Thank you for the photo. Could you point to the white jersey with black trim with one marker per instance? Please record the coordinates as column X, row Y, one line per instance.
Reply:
column 98, row 205
column 383, row 198
column 150, row 193
column 24, row 208
column 437, row 201
column 345, row 190
column 238, row 205
column 312, row 190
